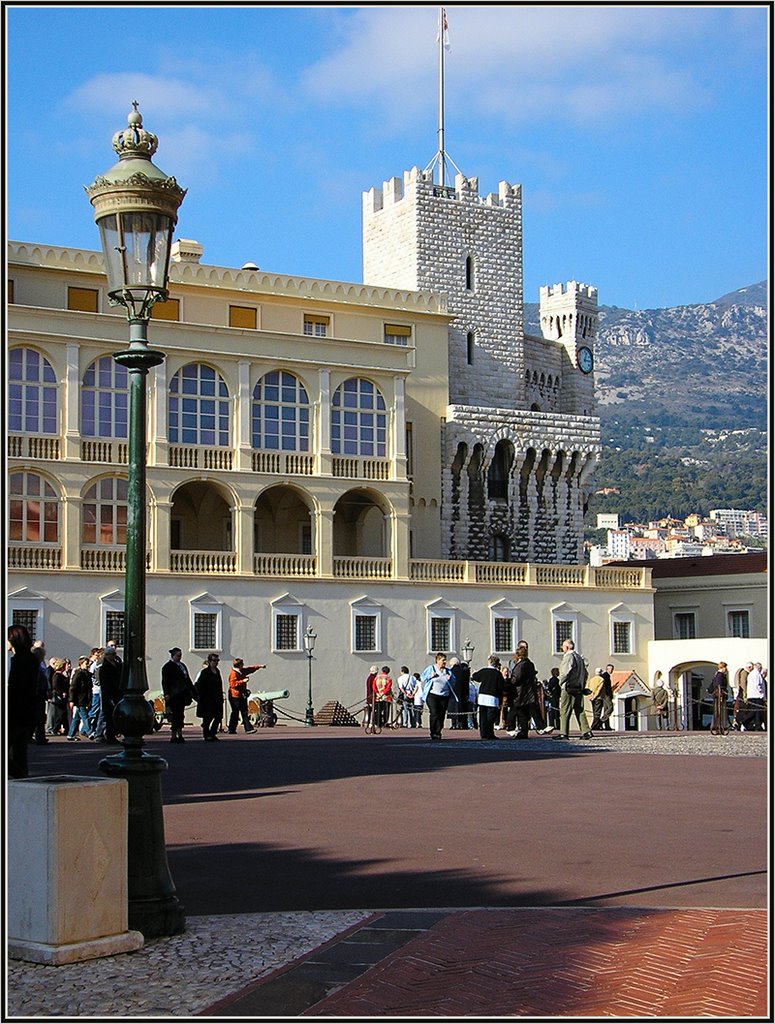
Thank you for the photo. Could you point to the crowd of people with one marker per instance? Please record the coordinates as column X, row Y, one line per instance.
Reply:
column 50, row 697
column 508, row 697
column 511, row 697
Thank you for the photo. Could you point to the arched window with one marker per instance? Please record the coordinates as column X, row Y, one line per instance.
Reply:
column 358, row 419
column 104, row 399
column 198, row 407
column 470, row 344
column 280, row 413
column 104, row 512
column 34, row 510
column 32, row 393
column 498, row 473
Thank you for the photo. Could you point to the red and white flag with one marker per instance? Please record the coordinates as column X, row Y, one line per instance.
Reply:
column 443, row 33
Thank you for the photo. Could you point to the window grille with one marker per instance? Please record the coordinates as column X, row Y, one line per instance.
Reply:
column 441, row 631
column 27, row 617
column 205, row 631
column 365, row 632
column 622, row 638
column 114, row 627
column 286, row 633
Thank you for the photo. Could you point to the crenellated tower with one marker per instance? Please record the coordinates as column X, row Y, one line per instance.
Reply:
column 520, row 440
column 421, row 235
column 568, row 314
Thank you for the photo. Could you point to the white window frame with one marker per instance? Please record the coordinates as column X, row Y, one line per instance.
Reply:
column 730, row 609
column 405, row 339
column 564, row 613
column 690, row 609
column 504, row 609
column 621, row 613
column 206, row 604
column 312, row 317
column 365, row 606
column 287, row 605
column 112, row 602
column 441, row 609
column 26, row 600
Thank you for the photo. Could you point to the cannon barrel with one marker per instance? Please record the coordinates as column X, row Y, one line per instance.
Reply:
column 270, row 694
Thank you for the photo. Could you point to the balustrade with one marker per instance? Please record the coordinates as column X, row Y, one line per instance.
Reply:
column 501, row 572
column 430, row 571
column 284, row 565
column 356, row 468
column 29, row 446
column 21, row 557
column 363, row 568
column 209, row 562
column 283, row 463
column 620, row 578
column 192, row 457
column 561, row 575
column 115, row 452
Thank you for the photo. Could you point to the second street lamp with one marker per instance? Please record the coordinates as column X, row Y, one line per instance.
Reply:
column 135, row 207
column 309, row 646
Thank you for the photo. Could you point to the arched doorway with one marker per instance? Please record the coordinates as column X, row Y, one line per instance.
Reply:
column 360, row 525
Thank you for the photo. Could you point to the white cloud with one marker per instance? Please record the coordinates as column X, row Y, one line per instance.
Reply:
column 521, row 63
column 159, row 96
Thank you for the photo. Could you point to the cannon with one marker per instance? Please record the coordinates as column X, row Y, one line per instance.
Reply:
column 260, row 707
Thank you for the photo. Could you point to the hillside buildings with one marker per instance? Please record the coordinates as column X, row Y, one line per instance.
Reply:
column 395, row 463
column 723, row 531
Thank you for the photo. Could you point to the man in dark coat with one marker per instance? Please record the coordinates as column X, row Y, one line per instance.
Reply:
column 458, row 705
column 178, row 692
column 109, row 677
column 23, row 677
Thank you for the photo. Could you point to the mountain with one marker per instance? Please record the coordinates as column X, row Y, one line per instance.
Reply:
column 682, row 399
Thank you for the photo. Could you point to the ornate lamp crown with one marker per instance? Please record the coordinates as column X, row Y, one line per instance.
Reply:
column 134, row 141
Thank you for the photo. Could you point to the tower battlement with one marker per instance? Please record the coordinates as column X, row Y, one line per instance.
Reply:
column 394, row 190
column 568, row 291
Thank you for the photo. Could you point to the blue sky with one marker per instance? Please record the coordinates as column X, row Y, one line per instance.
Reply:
column 639, row 134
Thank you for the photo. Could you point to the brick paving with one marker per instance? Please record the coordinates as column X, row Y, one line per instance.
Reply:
column 568, row 962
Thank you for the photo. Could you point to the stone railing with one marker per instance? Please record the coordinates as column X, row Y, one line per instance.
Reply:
column 430, row 571
column 284, row 565
column 29, row 446
column 21, row 557
column 501, row 572
column 356, row 468
column 284, row 463
column 561, row 575
column 116, row 452
column 107, row 559
column 362, row 568
column 620, row 577
column 193, row 457
column 215, row 563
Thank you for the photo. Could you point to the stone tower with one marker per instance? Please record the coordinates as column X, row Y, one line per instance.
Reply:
column 520, row 439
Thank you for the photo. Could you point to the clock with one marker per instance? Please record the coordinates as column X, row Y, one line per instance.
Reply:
column 585, row 359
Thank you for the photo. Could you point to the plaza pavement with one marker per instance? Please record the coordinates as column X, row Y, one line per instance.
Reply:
column 330, row 874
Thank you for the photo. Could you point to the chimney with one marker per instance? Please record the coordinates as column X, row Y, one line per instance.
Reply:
column 184, row 250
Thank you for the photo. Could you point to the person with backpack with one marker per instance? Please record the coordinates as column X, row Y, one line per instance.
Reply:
column 573, row 685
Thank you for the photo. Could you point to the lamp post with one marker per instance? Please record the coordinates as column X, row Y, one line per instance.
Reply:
column 309, row 646
column 135, row 207
column 467, row 651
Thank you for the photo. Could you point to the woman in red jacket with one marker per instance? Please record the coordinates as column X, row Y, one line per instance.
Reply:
column 238, row 694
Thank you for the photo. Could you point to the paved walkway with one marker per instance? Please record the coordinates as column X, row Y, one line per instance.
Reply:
column 634, row 951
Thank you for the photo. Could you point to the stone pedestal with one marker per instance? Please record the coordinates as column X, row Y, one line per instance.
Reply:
column 67, row 869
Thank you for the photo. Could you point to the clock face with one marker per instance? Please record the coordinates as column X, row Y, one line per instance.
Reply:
column 586, row 359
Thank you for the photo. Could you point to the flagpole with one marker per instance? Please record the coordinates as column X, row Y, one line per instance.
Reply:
column 442, row 160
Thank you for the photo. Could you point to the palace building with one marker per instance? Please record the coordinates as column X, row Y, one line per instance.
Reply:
column 395, row 463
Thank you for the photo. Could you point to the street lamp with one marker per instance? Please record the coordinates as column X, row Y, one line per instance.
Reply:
column 309, row 646
column 135, row 207
column 467, row 651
